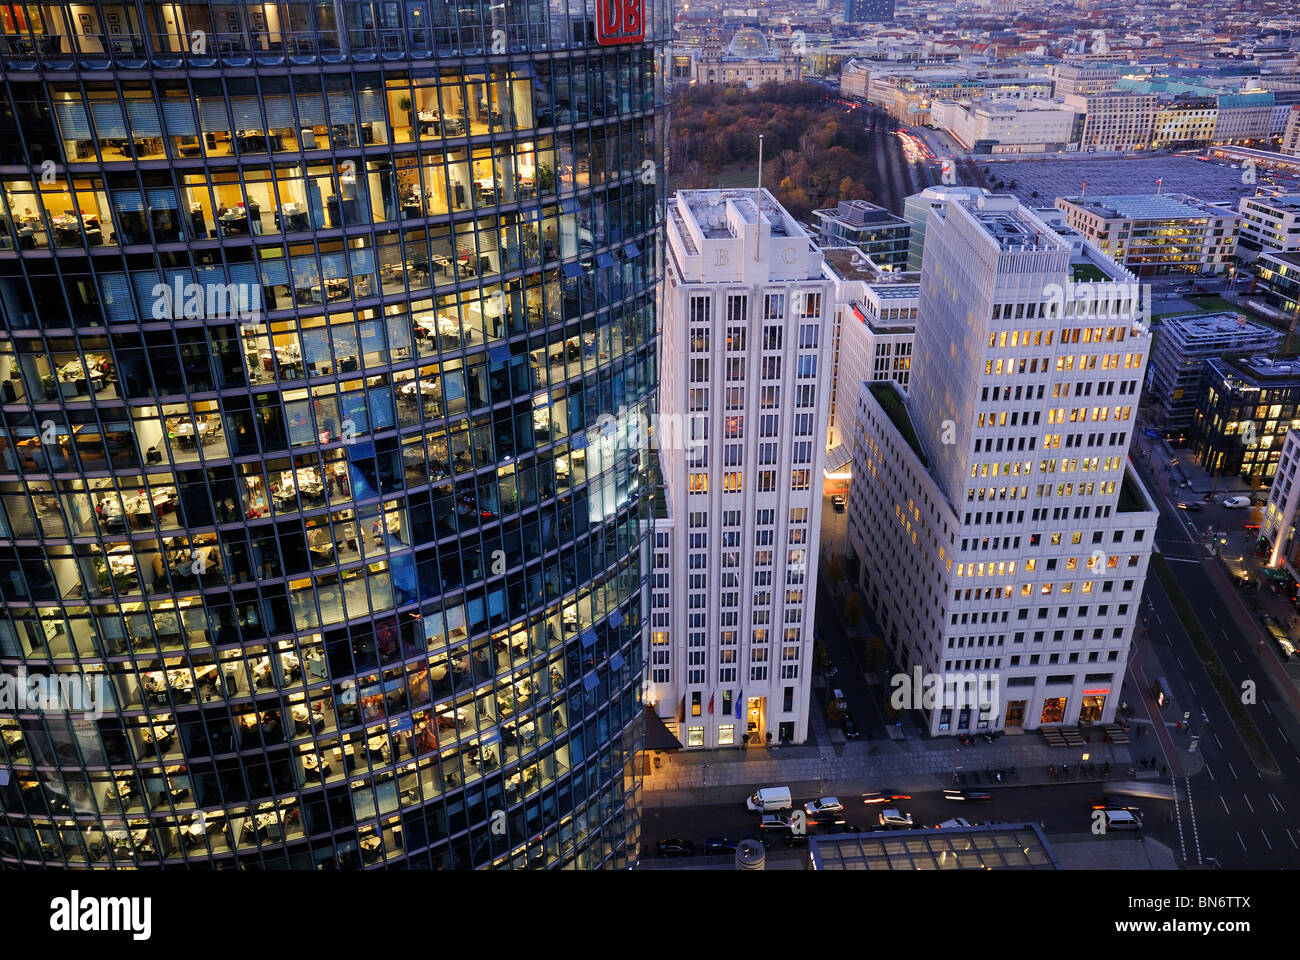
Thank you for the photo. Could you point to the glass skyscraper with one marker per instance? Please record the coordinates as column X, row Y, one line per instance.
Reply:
column 326, row 328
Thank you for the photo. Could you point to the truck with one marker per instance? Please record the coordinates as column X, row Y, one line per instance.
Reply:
column 769, row 799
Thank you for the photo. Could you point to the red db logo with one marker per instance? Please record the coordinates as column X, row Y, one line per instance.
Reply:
column 619, row 21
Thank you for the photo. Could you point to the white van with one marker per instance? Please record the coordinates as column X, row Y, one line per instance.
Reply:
column 1122, row 820
column 767, row 799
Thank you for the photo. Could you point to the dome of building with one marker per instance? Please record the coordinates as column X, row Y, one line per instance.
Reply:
column 748, row 43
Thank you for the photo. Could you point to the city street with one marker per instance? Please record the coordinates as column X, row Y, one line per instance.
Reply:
column 1235, row 812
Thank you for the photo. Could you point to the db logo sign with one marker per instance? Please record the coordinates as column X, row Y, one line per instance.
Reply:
column 619, row 21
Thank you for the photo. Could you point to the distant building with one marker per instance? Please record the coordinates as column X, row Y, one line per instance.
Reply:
column 1181, row 351
column 1291, row 136
column 1246, row 407
column 1244, row 117
column 749, row 60
column 1115, row 120
column 1186, row 120
column 1084, row 78
column 868, row 11
column 1278, row 274
column 1006, row 126
column 916, row 211
column 1156, row 233
column 879, row 234
column 1269, row 224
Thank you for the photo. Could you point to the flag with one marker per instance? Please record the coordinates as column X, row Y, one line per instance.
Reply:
column 740, row 700
column 711, row 696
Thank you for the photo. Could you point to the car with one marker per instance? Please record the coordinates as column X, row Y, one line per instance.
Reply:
column 825, row 820
column 850, row 726
column 713, row 846
column 1114, row 801
column 1279, row 636
column 1236, row 503
column 792, row 839
column 974, row 796
column 894, row 820
column 676, row 847
column 1120, row 818
column 823, row 805
column 1191, row 506
column 837, row 503
column 885, row 796
column 954, row 822
column 774, row 821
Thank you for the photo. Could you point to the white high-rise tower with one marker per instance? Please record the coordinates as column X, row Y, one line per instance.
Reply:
column 741, row 433
column 1003, row 537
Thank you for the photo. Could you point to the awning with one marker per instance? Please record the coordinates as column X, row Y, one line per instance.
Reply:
column 658, row 736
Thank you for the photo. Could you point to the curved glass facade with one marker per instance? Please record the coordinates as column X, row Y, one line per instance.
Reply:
column 321, row 323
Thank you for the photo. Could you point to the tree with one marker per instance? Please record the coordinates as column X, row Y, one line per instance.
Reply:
column 852, row 610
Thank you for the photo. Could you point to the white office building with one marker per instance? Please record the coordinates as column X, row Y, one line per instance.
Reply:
column 1003, row 540
column 744, row 385
column 1270, row 223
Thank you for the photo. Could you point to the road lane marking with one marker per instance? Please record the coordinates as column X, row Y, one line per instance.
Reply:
column 1292, row 839
column 1178, row 817
column 1248, row 803
column 1242, row 842
column 1265, row 836
column 1209, row 771
column 1277, row 804
column 1233, row 772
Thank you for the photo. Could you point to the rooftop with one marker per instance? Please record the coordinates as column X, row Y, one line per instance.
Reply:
column 859, row 213
column 1214, row 326
column 891, row 402
column 1003, row 846
column 1147, row 206
column 850, row 263
column 1249, row 370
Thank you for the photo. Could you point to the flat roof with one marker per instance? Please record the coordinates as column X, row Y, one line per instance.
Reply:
column 1002, row 846
column 1214, row 326
column 1148, row 206
column 892, row 403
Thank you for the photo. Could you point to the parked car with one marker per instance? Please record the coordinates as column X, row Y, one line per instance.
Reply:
column 894, row 820
column 792, row 839
column 676, row 847
column 1279, row 636
column 713, row 846
column 850, row 727
column 837, row 503
column 885, row 796
column 954, row 822
column 823, row 805
column 1236, row 503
